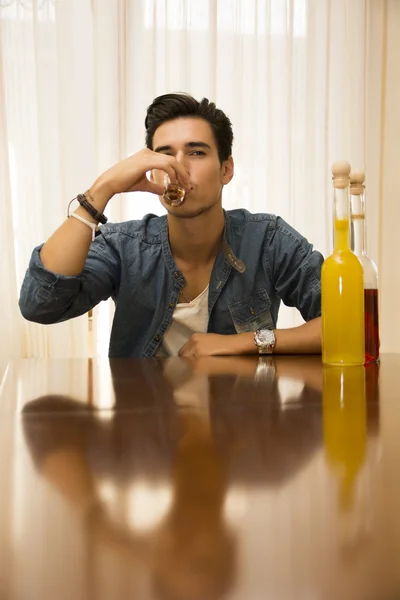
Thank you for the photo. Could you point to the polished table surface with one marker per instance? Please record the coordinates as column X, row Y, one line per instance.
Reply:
column 217, row 478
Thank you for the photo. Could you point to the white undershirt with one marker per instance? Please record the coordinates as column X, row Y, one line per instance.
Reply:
column 188, row 318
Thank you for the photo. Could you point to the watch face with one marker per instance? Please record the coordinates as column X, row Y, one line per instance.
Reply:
column 265, row 337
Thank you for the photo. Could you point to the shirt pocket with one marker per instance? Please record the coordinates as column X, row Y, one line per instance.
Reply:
column 252, row 313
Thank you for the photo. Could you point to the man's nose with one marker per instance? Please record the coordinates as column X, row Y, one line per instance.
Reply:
column 181, row 157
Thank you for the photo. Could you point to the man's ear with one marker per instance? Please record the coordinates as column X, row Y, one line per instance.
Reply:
column 227, row 170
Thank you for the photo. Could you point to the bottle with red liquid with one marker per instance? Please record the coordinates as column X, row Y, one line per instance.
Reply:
column 359, row 247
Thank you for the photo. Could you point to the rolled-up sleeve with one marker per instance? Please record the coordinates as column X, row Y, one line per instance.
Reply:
column 295, row 269
column 47, row 297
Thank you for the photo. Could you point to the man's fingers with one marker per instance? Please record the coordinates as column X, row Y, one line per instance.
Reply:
column 169, row 169
column 186, row 350
column 182, row 350
column 182, row 174
column 154, row 188
column 176, row 171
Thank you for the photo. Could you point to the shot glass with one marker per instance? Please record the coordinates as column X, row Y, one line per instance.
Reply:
column 174, row 193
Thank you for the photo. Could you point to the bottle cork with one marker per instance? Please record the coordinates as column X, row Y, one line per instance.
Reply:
column 341, row 174
column 357, row 179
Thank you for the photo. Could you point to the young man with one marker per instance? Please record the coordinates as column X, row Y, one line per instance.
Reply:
column 199, row 281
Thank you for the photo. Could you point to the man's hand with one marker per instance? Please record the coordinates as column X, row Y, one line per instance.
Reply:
column 213, row 344
column 304, row 339
column 129, row 175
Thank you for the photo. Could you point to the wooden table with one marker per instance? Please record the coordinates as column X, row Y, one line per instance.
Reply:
column 223, row 477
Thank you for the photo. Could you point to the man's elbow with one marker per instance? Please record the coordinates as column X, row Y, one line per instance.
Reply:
column 31, row 311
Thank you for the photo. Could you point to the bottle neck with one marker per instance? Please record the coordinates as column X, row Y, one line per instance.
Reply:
column 341, row 219
column 358, row 225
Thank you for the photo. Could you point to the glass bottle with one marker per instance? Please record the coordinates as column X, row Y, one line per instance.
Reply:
column 359, row 247
column 342, row 285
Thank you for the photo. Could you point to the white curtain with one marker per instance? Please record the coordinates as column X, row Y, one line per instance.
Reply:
column 301, row 80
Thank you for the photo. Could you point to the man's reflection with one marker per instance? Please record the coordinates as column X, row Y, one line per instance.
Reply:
column 198, row 427
column 195, row 550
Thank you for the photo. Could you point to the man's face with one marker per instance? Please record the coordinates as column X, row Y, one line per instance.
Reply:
column 190, row 140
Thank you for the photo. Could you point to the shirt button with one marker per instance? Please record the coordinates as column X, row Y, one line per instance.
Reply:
column 177, row 274
column 157, row 338
column 172, row 304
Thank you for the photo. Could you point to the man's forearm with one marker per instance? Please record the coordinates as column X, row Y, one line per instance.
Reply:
column 304, row 339
column 65, row 252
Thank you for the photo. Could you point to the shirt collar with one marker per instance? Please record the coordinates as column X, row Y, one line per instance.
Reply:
column 227, row 250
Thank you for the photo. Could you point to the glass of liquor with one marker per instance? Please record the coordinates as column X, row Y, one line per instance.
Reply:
column 359, row 247
column 342, row 287
column 174, row 193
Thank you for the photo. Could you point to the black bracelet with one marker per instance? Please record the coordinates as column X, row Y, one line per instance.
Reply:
column 91, row 209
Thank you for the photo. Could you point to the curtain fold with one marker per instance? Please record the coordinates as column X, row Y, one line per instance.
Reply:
column 301, row 80
column 10, row 323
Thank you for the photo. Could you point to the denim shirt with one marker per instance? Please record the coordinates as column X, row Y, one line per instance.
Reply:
column 262, row 261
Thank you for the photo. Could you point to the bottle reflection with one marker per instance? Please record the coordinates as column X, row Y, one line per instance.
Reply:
column 345, row 426
column 372, row 382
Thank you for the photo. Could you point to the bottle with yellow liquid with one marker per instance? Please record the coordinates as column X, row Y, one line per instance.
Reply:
column 342, row 285
column 345, row 426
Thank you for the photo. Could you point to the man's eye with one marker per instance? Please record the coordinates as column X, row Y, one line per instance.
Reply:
column 198, row 153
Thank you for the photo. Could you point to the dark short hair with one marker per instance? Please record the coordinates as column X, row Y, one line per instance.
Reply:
column 173, row 106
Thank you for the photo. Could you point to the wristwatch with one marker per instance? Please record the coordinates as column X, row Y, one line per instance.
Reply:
column 265, row 341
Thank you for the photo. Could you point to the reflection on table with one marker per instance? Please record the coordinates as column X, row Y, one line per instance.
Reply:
column 220, row 477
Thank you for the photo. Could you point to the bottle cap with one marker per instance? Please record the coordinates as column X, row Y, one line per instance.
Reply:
column 357, row 179
column 341, row 172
